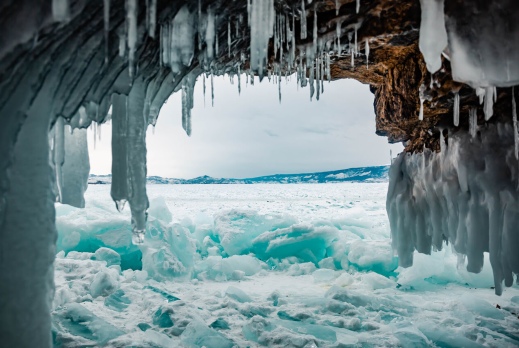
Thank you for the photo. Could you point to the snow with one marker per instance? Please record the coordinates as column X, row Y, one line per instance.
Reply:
column 291, row 295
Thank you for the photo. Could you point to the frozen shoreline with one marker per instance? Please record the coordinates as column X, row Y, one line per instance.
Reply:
column 352, row 296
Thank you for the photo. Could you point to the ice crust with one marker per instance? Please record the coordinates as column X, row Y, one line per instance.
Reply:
column 466, row 195
column 353, row 296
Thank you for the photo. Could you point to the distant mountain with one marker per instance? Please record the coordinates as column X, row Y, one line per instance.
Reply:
column 364, row 174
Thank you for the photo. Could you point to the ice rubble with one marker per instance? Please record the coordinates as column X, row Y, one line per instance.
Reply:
column 466, row 195
column 289, row 302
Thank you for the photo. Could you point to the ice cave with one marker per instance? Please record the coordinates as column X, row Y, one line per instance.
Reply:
column 443, row 76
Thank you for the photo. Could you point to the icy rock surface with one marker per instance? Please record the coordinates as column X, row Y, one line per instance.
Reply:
column 466, row 195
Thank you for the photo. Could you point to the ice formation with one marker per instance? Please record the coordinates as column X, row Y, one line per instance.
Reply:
column 465, row 195
column 433, row 36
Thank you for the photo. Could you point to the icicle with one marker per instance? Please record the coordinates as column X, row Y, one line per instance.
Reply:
column 489, row 102
column 433, row 36
column 131, row 17
column 315, row 33
column 203, row 86
column 210, row 35
column 367, row 52
column 279, row 85
column 229, row 37
column 420, row 115
column 328, row 70
column 136, row 146
column 352, row 59
column 473, row 121
column 421, row 94
column 312, row 90
column 249, row 4
column 456, row 110
column 338, row 29
column 60, row 10
column 152, row 17
column 262, row 28
column 106, row 17
column 239, row 80
column 199, row 19
column 442, row 143
column 514, row 119
column 356, row 47
column 337, row 6
column 318, row 77
column 119, row 189
column 357, row 8
column 122, row 46
column 303, row 20
column 59, row 154
column 212, row 91
column 187, row 102
column 217, row 45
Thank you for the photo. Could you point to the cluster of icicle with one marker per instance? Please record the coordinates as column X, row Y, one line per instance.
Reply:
column 467, row 195
column 489, row 62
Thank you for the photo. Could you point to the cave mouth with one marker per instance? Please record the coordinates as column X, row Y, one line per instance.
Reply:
column 432, row 65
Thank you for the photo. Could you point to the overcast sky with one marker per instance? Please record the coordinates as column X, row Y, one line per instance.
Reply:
column 252, row 134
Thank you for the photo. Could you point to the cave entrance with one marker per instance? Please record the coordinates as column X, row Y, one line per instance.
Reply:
column 266, row 128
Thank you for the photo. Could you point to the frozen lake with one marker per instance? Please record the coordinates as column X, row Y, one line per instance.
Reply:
column 307, row 265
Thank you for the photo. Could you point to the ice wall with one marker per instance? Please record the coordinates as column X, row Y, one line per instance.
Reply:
column 465, row 195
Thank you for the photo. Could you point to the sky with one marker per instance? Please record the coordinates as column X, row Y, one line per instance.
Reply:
column 253, row 134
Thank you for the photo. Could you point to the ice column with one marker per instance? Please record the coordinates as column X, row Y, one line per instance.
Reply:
column 76, row 168
column 136, row 147
column 433, row 36
column 303, row 20
column 59, row 154
column 119, row 189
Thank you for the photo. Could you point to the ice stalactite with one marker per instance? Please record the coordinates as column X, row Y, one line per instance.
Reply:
column 489, row 102
column 212, row 91
column 136, row 160
column 303, row 20
column 515, row 123
column 58, row 158
column 261, row 28
column 131, row 18
column 106, row 19
column 119, row 190
column 366, row 45
column 76, row 167
column 421, row 94
column 188, row 86
column 210, row 34
column 152, row 18
column 229, row 38
column 466, row 195
column 473, row 121
column 433, row 35
column 60, row 10
column 456, row 109
column 182, row 46
column 338, row 33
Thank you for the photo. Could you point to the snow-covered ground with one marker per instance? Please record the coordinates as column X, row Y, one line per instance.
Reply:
column 305, row 265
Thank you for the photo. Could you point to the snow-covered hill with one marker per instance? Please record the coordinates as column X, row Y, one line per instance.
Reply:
column 363, row 174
